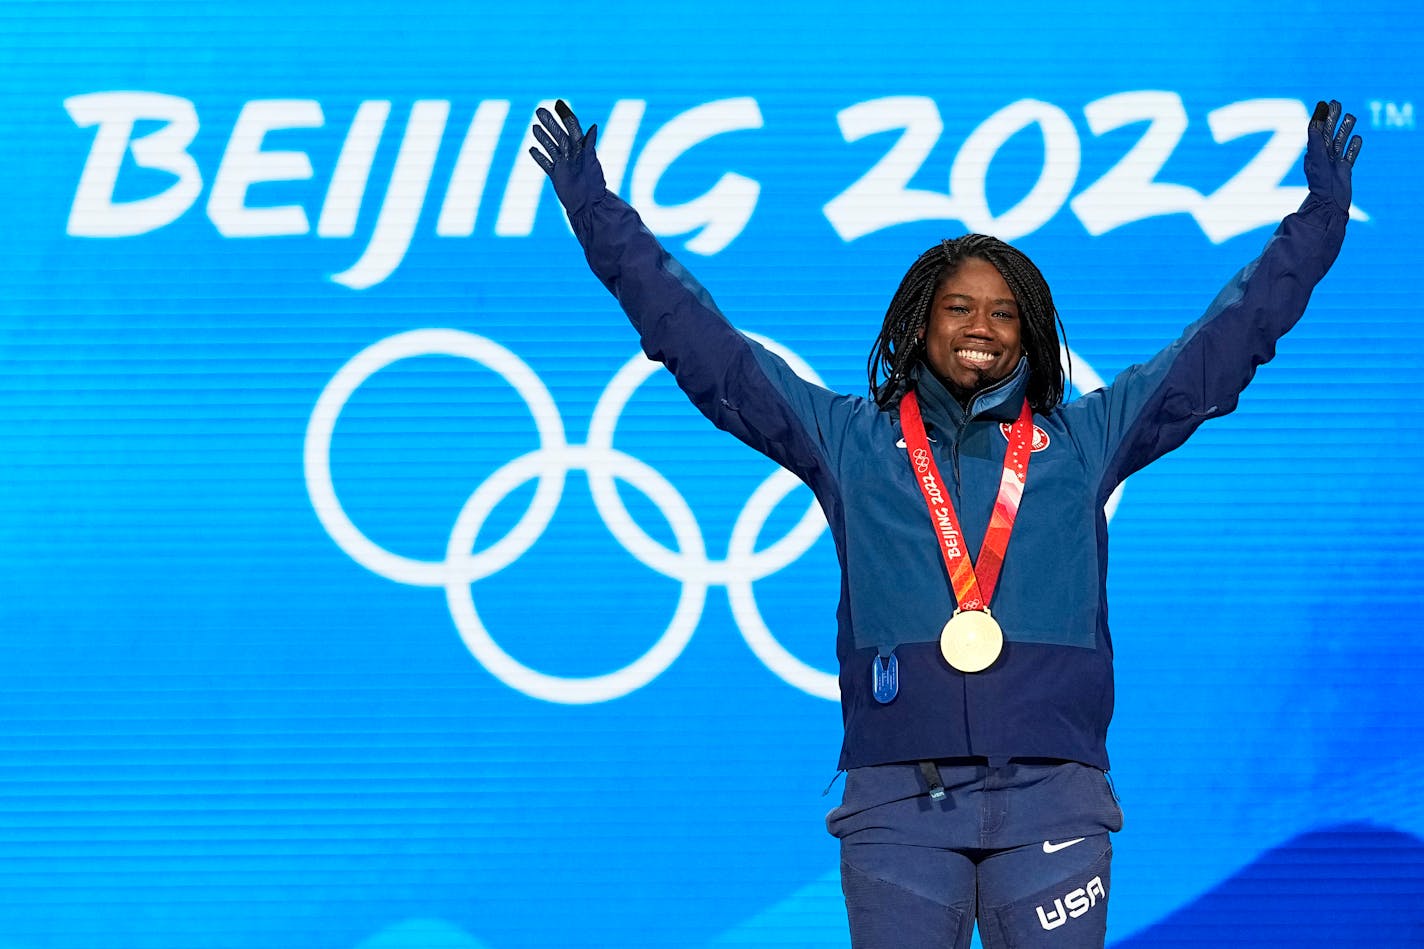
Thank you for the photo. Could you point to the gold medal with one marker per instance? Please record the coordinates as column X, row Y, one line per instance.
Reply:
column 971, row 640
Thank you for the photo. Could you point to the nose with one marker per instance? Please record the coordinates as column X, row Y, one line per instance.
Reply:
column 979, row 325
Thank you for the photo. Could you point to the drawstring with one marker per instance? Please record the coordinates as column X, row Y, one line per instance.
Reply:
column 930, row 770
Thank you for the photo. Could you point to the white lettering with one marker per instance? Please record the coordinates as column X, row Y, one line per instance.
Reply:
column 1254, row 195
column 932, row 488
column 245, row 164
column 1129, row 190
column 525, row 185
column 94, row 212
column 724, row 210
column 1062, row 156
column 126, row 146
column 353, row 169
column 405, row 196
column 882, row 197
column 947, row 531
column 1078, row 901
column 1053, row 918
column 467, row 183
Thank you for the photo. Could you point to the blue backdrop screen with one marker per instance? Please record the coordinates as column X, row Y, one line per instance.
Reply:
column 364, row 587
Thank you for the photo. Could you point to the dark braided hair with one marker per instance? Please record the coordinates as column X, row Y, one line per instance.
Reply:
column 900, row 345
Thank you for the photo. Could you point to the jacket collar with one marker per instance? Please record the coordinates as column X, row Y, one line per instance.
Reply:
column 1000, row 402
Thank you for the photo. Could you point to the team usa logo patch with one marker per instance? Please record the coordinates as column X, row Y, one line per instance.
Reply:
column 1040, row 437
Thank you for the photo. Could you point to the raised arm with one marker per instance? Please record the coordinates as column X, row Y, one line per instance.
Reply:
column 1153, row 407
column 650, row 285
column 735, row 382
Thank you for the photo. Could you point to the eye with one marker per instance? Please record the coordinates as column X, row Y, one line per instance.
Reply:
column 1004, row 315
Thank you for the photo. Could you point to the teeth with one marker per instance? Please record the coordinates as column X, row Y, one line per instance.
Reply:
column 974, row 355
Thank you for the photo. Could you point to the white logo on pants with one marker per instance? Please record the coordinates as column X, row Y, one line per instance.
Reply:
column 1073, row 905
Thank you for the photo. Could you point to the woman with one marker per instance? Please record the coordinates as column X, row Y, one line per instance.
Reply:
column 975, row 673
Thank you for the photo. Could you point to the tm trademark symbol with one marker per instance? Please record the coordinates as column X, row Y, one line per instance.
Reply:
column 1391, row 115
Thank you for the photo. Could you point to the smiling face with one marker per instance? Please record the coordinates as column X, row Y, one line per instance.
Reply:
column 973, row 337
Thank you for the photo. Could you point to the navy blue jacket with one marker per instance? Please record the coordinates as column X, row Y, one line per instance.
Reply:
column 1050, row 694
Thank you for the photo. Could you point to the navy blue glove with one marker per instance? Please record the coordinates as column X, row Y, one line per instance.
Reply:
column 1328, row 162
column 572, row 164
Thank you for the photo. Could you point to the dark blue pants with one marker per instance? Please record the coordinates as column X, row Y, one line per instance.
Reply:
column 1022, row 848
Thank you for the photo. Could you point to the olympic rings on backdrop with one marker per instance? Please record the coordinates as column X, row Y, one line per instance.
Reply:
column 549, row 466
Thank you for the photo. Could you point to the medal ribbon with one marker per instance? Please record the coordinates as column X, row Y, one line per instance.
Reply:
column 973, row 589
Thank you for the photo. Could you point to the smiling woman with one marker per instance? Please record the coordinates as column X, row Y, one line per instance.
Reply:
column 969, row 308
column 972, row 340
